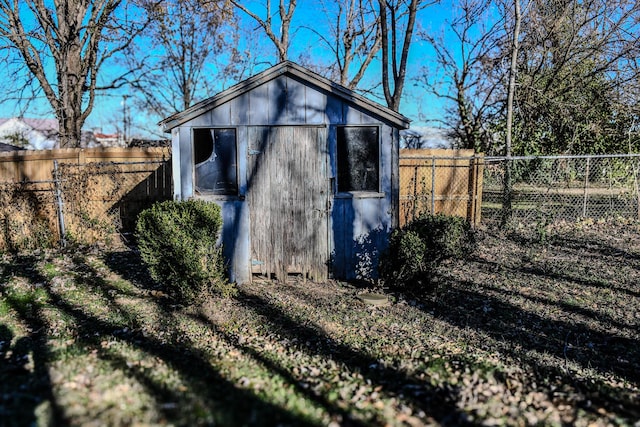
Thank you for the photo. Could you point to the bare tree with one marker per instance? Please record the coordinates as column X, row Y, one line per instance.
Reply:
column 411, row 139
column 353, row 38
column 466, row 72
column 188, row 36
column 63, row 47
column 237, row 63
column 511, row 90
column 271, row 28
column 397, row 23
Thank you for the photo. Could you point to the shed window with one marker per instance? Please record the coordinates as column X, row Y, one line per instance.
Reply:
column 215, row 160
column 358, row 158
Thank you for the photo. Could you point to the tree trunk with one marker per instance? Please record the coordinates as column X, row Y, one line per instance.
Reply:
column 285, row 12
column 70, row 34
column 390, row 50
column 70, row 88
column 506, row 205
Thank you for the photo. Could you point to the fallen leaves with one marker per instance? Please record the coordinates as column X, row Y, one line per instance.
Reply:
column 525, row 334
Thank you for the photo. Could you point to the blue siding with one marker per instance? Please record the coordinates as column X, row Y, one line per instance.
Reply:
column 259, row 106
column 360, row 234
column 315, row 107
column 239, row 110
column 235, row 239
column 359, row 225
column 186, row 162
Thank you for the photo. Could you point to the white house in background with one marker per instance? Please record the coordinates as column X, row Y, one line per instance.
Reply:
column 107, row 139
column 42, row 134
column 30, row 134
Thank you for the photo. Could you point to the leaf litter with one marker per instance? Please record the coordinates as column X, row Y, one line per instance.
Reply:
column 525, row 332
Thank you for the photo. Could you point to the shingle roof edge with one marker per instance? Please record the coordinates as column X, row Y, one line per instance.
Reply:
column 283, row 68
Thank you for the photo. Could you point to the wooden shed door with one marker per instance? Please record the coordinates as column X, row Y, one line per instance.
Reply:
column 288, row 200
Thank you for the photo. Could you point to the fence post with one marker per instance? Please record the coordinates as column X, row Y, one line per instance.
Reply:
column 636, row 186
column 507, row 190
column 433, row 185
column 586, row 190
column 475, row 189
column 415, row 191
column 59, row 204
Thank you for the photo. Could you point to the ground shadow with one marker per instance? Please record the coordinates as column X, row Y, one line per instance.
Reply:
column 573, row 337
column 26, row 395
column 228, row 404
column 128, row 265
column 438, row 403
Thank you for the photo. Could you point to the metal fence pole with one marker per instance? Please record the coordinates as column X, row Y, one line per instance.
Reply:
column 59, row 204
column 507, row 188
column 586, row 189
column 433, row 185
column 636, row 186
column 415, row 191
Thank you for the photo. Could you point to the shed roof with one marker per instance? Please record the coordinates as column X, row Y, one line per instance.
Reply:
column 290, row 69
column 9, row 147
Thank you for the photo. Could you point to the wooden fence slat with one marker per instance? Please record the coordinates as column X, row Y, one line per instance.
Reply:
column 37, row 165
column 98, row 200
column 440, row 181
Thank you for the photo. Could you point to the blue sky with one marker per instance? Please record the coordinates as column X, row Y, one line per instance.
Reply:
column 417, row 104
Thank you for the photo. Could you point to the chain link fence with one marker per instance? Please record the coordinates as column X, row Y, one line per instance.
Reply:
column 545, row 190
column 27, row 215
column 101, row 201
column 83, row 203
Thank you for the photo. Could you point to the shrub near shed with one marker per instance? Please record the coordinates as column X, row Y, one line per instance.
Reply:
column 416, row 250
column 178, row 244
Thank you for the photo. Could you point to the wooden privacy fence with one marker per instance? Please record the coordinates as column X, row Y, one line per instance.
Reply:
column 86, row 195
column 440, row 181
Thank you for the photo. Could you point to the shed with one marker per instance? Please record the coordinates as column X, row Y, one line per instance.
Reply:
column 305, row 171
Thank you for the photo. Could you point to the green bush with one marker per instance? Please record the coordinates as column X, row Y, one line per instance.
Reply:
column 177, row 242
column 416, row 251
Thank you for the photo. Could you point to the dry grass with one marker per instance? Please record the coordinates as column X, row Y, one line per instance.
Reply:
column 533, row 330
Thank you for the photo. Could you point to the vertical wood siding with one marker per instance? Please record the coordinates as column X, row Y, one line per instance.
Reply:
column 287, row 198
column 440, row 181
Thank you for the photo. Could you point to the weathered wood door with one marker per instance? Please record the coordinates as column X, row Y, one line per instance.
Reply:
column 288, row 191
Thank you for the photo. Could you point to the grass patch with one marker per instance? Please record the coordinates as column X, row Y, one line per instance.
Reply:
column 527, row 332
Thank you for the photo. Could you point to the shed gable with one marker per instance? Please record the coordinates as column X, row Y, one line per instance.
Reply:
column 286, row 93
